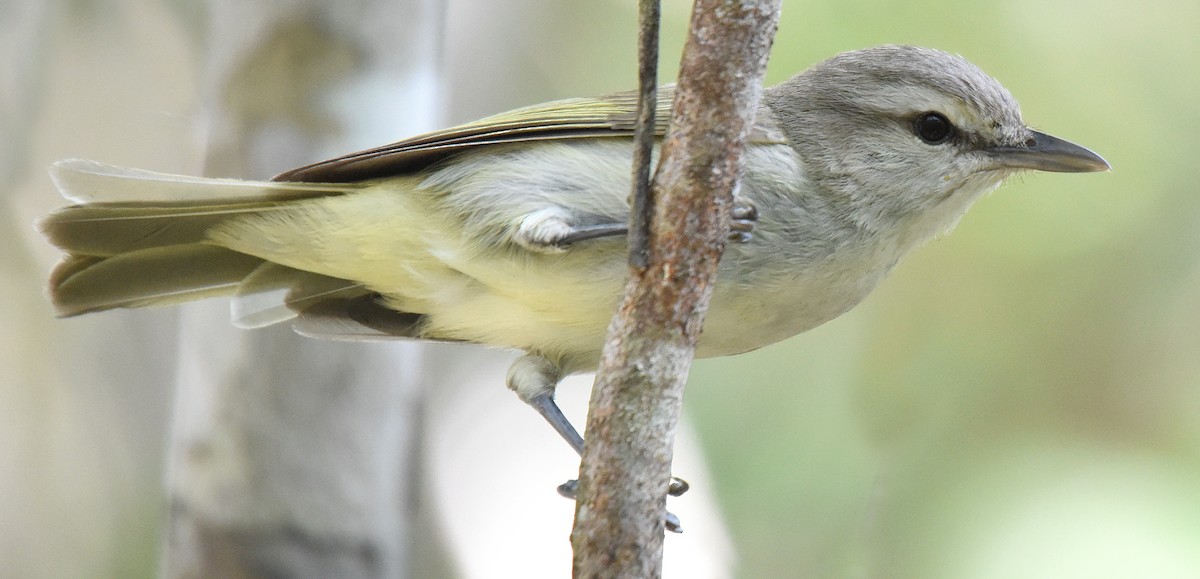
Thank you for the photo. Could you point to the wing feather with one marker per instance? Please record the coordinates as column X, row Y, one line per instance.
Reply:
column 613, row 115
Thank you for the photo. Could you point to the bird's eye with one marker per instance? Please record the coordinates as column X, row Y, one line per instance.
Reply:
column 933, row 128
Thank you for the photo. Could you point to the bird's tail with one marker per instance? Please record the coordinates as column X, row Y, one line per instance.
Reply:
column 137, row 238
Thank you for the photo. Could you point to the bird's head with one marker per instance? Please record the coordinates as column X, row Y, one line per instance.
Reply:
column 901, row 134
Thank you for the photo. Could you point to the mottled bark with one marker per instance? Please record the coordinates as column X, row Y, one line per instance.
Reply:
column 638, row 395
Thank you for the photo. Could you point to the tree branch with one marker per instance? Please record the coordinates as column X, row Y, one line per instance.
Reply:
column 649, row 16
column 638, row 395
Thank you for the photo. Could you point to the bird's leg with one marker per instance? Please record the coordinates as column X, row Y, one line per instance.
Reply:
column 552, row 230
column 545, row 405
column 586, row 232
column 534, row 378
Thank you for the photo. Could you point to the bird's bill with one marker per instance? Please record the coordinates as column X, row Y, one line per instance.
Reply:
column 1046, row 153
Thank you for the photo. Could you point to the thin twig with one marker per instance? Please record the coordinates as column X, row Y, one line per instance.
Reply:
column 643, row 137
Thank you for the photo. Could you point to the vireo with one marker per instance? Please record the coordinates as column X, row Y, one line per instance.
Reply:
column 509, row 231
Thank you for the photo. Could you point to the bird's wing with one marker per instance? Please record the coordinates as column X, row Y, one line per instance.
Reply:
column 613, row 115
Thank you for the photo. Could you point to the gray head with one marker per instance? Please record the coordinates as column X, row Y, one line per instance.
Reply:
column 901, row 132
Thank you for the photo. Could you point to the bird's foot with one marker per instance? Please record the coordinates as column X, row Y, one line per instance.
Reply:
column 677, row 487
column 745, row 216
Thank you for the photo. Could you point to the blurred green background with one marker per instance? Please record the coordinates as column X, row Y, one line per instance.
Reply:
column 1022, row 398
column 1019, row 399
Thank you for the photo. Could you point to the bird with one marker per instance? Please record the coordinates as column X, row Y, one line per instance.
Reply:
column 510, row 231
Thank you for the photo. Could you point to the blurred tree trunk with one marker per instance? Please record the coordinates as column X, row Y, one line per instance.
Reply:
column 292, row 457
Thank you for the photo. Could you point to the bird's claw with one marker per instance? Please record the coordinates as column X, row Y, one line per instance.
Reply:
column 672, row 523
column 745, row 216
column 569, row 489
column 677, row 487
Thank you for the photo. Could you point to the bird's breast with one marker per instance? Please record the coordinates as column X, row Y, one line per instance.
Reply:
column 745, row 316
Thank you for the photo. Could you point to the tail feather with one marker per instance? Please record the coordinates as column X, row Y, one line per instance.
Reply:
column 155, row 276
column 138, row 238
column 110, row 229
column 84, row 181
